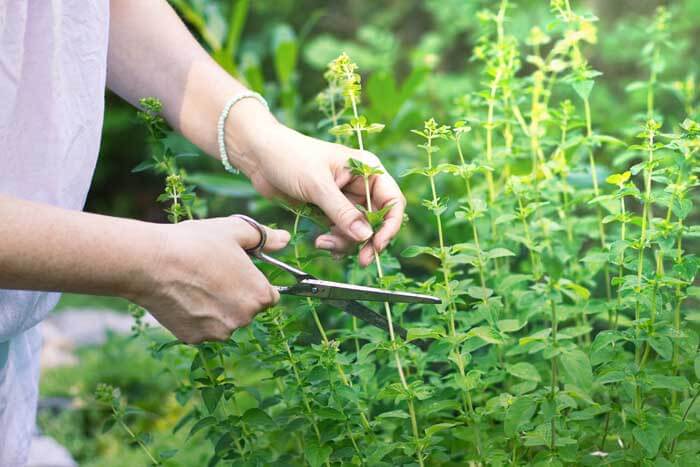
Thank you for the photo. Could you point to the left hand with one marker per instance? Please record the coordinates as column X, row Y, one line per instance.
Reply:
column 281, row 162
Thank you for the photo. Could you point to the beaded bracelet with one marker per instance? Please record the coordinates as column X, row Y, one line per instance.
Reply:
column 222, row 120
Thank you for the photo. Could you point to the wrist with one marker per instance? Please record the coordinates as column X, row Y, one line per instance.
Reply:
column 248, row 132
column 148, row 276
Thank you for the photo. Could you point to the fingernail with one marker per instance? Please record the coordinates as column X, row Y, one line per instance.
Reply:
column 361, row 229
column 325, row 244
column 382, row 245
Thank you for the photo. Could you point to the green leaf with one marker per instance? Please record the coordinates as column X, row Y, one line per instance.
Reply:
column 510, row 325
column 143, row 166
column 577, row 367
column 422, row 333
column 672, row 383
column 431, row 430
column 167, row 453
column 393, row 414
column 578, row 290
column 524, row 370
column 662, row 345
column 649, row 437
column 376, row 218
column 201, row 424
column 286, row 50
column 499, row 253
column 413, row 251
column 329, row 413
column 486, row 334
column 258, row 418
column 583, row 88
column 518, row 415
column 480, row 293
column 109, row 423
column 317, row 455
column 222, row 184
column 619, row 179
column 341, row 130
column 211, row 397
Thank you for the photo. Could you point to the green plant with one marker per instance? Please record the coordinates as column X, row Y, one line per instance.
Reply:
column 567, row 333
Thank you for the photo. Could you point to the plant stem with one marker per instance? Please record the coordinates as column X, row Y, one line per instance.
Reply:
column 297, row 376
column 652, row 83
column 324, row 337
column 596, row 190
column 126, row 428
column 528, row 239
column 623, row 233
column 212, row 380
column 643, row 235
column 387, row 307
column 554, row 383
column 685, row 417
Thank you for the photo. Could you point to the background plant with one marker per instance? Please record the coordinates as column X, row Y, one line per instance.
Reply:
column 556, row 220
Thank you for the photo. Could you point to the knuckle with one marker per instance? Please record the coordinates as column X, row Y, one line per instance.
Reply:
column 268, row 298
column 244, row 321
column 193, row 339
column 369, row 157
column 223, row 334
column 346, row 214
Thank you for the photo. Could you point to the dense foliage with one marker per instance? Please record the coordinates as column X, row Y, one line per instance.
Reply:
column 562, row 253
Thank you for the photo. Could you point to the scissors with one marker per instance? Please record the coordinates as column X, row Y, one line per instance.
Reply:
column 337, row 294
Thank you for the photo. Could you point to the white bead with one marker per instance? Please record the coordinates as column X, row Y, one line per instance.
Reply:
column 222, row 120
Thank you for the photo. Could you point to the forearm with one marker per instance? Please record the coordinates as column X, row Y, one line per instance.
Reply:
column 152, row 53
column 52, row 249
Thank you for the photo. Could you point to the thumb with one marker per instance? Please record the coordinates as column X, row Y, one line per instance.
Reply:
column 343, row 214
column 248, row 236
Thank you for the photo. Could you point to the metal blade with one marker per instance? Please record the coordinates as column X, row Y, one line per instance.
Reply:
column 329, row 290
column 367, row 315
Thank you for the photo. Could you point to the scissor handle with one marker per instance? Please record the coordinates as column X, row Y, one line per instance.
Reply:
column 257, row 249
column 257, row 252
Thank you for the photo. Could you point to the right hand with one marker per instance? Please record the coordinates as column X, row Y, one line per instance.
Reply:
column 204, row 286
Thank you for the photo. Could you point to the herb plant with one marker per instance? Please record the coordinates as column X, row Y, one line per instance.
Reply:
column 563, row 256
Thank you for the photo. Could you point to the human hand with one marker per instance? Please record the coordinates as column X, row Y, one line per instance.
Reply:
column 203, row 285
column 281, row 162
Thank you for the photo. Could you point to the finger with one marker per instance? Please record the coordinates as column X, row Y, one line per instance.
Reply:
column 366, row 255
column 257, row 286
column 384, row 192
column 341, row 211
column 393, row 219
column 335, row 241
column 248, row 236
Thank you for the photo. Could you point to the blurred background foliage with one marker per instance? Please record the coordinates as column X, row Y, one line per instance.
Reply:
column 415, row 57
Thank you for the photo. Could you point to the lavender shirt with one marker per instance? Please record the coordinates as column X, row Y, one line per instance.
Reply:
column 53, row 60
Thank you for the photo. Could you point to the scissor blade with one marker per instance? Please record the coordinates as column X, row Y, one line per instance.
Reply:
column 329, row 290
column 367, row 315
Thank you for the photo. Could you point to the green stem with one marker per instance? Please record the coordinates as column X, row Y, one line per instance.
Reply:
column 596, row 191
column 317, row 320
column 212, row 380
column 528, row 239
column 623, row 232
column 554, row 382
column 299, row 381
column 652, row 83
column 387, row 308
column 126, row 428
column 685, row 417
